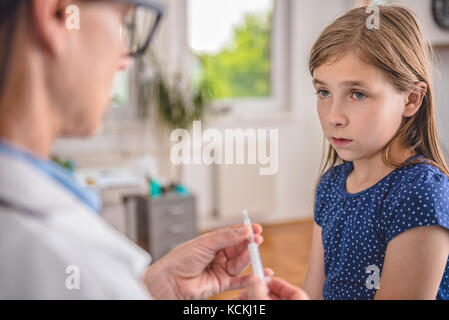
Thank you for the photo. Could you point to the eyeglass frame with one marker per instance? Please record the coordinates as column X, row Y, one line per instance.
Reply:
column 160, row 11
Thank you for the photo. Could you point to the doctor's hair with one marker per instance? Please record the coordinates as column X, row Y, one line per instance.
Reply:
column 9, row 11
column 397, row 49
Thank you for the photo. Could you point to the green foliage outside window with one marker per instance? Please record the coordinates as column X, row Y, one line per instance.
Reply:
column 242, row 68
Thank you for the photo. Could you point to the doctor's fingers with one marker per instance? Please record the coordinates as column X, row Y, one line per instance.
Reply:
column 240, row 248
column 243, row 281
column 256, row 289
column 286, row 290
column 244, row 296
column 226, row 237
column 241, row 258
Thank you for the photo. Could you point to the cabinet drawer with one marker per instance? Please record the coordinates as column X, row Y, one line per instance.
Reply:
column 172, row 209
column 165, row 222
column 169, row 226
column 172, row 218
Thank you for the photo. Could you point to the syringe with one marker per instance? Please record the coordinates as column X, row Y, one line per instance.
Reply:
column 253, row 248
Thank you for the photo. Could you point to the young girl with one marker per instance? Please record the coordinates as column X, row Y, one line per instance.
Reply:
column 382, row 209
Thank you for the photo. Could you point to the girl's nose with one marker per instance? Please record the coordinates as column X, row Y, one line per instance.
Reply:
column 335, row 116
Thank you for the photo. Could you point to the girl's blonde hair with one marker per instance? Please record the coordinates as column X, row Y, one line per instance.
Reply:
column 397, row 48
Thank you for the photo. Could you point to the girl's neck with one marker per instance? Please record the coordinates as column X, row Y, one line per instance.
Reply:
column 370, row 170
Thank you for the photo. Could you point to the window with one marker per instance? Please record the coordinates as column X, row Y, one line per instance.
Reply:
column 189, row 24
column 231, row 43
column 240, row 48
column 121, row 90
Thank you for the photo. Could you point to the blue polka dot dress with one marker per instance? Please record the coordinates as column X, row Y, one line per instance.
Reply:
column 356, row 228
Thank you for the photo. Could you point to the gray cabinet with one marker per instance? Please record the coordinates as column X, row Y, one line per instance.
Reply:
column 158, row 225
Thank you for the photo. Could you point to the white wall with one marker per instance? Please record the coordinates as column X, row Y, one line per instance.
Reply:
column 442, row 97
column 430, row 29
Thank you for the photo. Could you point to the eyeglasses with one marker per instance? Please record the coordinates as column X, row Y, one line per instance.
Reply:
column 140, row 25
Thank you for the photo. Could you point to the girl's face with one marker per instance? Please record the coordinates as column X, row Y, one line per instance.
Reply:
column 356, row 102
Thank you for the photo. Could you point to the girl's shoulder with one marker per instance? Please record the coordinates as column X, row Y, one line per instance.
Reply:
column 420, row 197
column 421, row 176
column 419, row 186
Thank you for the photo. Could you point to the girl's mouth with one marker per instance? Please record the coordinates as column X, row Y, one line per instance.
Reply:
column 340, row 142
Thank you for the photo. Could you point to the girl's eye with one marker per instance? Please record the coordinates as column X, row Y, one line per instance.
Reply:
column 323, row 93
column 358, row 95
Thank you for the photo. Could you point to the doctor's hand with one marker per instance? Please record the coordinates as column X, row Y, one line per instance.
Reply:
column 207, row 265
column 275, row 289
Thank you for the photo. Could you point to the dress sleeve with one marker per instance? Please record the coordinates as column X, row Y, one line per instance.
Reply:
column 317, row 217
column 422, row 201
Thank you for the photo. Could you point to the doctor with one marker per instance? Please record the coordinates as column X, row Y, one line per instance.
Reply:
column 55, row 81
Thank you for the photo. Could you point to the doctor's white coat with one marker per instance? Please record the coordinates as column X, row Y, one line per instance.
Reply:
column 52, row 246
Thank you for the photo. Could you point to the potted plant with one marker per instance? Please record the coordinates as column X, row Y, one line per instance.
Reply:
column 177, row 101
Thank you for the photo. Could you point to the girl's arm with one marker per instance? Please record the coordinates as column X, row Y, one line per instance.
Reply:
column 315, row 277
column 414, row 264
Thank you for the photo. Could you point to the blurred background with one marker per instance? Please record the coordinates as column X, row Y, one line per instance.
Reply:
column 231, row 64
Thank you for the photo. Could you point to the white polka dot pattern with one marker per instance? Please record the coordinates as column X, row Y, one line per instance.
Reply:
column 356, row 228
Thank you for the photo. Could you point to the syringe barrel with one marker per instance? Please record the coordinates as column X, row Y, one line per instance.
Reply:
column 256, row 263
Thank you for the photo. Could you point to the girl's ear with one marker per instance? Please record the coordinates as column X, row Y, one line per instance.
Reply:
column 415, row 98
